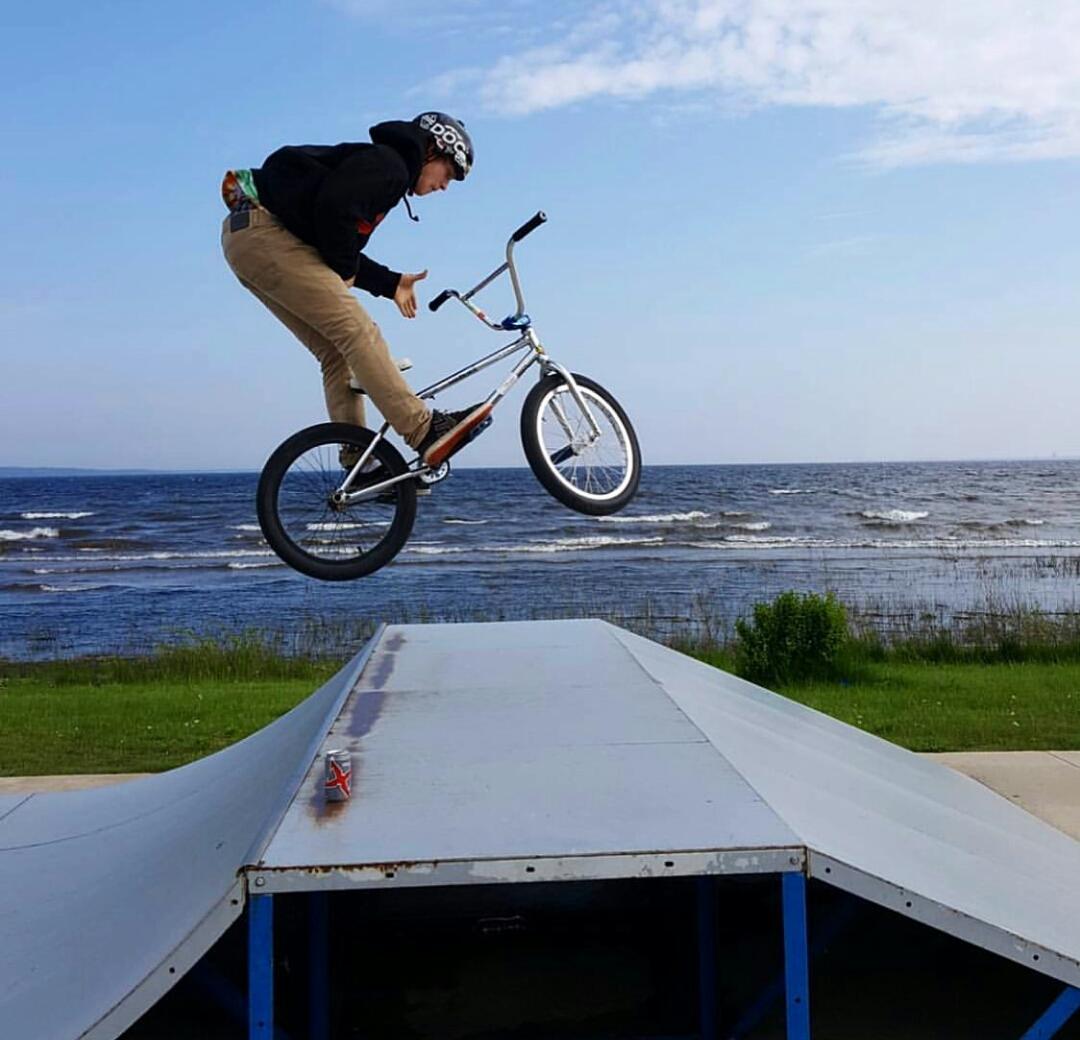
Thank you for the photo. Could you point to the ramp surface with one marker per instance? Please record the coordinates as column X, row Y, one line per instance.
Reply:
column 574, row 749
column 108, row 896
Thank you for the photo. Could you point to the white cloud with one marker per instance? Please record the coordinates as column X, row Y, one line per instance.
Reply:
column 949, row 80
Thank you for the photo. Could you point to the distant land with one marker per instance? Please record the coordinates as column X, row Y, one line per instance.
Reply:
column 7, row 472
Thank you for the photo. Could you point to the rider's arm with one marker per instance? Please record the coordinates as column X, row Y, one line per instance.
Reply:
column 352, row 201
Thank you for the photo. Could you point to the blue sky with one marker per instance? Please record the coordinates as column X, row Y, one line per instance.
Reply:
column 794, row 230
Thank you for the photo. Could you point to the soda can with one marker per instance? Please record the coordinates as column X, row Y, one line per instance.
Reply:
column 337, row 782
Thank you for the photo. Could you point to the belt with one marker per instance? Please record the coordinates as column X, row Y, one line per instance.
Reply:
column 246, row 217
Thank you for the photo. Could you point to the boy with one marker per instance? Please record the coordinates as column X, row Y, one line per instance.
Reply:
column 294, row 238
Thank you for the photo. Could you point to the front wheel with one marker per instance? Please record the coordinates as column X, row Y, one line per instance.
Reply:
column 593, row 472
column 308, row 528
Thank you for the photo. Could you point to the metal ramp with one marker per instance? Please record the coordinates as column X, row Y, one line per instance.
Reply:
column 108, row 896
column 511, row 753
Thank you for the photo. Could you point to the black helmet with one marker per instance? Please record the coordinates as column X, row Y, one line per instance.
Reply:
column 449, row 137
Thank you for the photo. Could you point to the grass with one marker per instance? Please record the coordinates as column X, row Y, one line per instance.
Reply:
column 131, row 727
column 148, row 713
column 1006, row 681
column 959, row 707
column 953, row 706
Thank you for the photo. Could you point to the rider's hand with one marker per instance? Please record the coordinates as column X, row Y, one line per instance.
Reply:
column 405, row 296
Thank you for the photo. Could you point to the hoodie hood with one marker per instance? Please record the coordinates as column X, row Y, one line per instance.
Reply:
column 407, row 139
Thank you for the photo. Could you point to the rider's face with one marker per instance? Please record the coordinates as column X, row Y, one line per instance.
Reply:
column 435, row 175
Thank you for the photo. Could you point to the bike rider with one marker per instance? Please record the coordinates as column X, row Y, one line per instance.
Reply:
column 295, row 237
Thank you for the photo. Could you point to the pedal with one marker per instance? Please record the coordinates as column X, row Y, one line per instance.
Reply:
column 433, row 476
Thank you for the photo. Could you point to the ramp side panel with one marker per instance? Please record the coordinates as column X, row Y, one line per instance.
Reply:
column 888, row 813
column 102, row 892
column 507, row 741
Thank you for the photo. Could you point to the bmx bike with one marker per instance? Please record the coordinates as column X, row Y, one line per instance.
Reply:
column 337, row 520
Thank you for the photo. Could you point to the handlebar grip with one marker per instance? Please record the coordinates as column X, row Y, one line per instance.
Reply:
column 439, row 300
column 529, row 226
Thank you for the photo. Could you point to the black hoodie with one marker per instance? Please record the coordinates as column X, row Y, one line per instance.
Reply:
column 333, row 196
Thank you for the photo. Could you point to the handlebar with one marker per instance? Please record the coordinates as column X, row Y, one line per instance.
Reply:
column 529, row 226
column 515, row 320
column 440, row 299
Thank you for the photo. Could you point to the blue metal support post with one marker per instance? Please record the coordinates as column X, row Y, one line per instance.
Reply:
column 796, row 956
column 319, row 966
column 1055, row 1016
column 260, row 967
column 706, row 914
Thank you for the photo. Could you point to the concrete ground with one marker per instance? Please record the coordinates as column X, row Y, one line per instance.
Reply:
column 1046, row 783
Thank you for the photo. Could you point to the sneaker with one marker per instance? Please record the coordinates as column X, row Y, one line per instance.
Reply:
column 450, row 431
column 349, row 456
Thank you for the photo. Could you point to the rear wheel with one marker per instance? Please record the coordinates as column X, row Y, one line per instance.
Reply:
column 592, row 473
column 320, row 537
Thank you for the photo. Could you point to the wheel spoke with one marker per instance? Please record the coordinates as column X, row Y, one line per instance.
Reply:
column 594, row 468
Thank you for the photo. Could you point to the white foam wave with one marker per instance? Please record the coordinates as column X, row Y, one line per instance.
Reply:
column 894, row 516
column 557, row 545
column 736, row 541
column 470, row 523
column 72, row 588
column 24, row 536
column 1024, row 521
column 759, row 525
column 55, row 516
column 791, row 491
column 655, row 518
column 247, row 527
column 578, row 544
column 346, row 525
column 166, row 555
column 252, row 566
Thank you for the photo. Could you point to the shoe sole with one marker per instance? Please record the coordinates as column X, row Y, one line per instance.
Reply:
column 457, row 438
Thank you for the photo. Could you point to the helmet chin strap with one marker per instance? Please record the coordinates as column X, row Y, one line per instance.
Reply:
column 409, row 208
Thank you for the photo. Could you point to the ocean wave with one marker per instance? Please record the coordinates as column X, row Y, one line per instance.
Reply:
column 655, row 518
column 346, row 525
column 792, row 491
column 556, row 545
column 252, row 566
column 1024, row 521
column 247, row 527
column 24, row 536
column 893, row 516
column 42, row 587
column 208, row 554
column 736, row 541
column 55, row 516
column 459, row 520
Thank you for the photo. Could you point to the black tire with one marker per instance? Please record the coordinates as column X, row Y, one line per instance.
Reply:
column 593, row 479
column 296, row 514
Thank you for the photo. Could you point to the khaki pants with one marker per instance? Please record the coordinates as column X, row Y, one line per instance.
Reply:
column 314, row 303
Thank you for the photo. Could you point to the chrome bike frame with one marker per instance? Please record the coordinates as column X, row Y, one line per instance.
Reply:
column 527, row 343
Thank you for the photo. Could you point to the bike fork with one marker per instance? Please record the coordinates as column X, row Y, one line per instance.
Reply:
column 553, row 367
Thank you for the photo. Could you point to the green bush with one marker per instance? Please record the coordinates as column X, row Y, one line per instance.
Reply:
column 796, row 637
